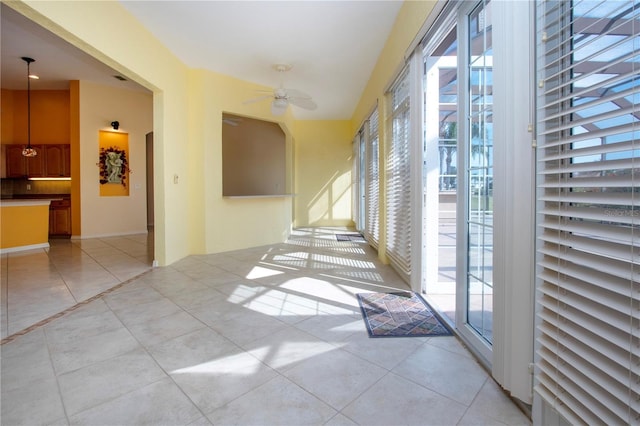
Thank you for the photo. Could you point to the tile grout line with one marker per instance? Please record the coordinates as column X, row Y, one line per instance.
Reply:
column 69, row 310
column 4, row 297
column 55, row 374
column 98, row 262
column 146, row 350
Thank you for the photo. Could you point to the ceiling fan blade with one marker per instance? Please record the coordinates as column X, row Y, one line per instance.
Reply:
column 305, row 103
column 294, row 93
column 258, row 99
column 279, row 106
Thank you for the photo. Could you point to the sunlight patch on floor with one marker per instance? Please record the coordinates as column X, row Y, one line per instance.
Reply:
column 260, row 272
column 236, row 364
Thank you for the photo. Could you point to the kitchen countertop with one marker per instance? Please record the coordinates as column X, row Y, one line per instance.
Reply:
column 36, row 197
column 15, row 202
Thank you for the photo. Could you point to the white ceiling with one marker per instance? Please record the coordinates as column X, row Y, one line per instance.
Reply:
column 332, row 46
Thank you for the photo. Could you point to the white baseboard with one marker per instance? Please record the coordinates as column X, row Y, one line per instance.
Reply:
column 118, row 234
column 24, row 248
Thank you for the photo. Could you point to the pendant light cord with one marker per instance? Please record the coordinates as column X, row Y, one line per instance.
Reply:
column 28, row 104
column 28, row 151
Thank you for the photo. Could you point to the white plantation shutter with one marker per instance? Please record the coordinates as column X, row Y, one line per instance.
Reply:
column 355, row 181
column 372, row 182
column 588, row 118
column 398, row 178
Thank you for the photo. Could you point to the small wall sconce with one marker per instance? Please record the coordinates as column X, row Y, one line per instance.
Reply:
column 115, row 125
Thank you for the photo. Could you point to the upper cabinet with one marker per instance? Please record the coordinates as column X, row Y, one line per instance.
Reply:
column 52, row 161
column 57, row 159
column 35, row 165
column 16, row 164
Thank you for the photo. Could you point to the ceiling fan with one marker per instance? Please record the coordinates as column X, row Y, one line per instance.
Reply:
column 282, row 97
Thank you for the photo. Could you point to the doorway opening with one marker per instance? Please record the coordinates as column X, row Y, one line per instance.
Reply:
column 150, row 200
column 441, row 172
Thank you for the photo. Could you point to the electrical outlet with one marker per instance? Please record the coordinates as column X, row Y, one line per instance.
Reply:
column 28, row 187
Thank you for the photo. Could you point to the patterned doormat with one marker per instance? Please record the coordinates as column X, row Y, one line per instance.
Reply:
column 403, row 314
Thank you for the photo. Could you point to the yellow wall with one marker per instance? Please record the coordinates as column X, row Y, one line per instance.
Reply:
column 49, row 116
column 217, row 223
column 410, row 19
column 323, row 161
column 6, row 125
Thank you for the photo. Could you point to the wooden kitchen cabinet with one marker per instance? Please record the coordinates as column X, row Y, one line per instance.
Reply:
column 57, row 159
column 52, row 161
column 35, row 165
column 16, row 164
column 60, row 218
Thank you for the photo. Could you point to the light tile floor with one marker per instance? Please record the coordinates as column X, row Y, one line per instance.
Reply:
column 264, row 336
column 37, row 284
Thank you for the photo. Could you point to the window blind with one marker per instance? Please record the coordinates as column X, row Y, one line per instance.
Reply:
column 356, row 170
column 588, row 126
column 372, row 182
column 398, row 178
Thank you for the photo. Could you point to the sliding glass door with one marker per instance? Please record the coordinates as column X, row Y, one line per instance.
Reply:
column 458, row 161
column 478, row 181
column 479, row 172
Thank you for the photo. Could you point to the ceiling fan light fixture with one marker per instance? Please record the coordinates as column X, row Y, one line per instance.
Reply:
column 282, row 67
column 279, row 106
column 280, row 102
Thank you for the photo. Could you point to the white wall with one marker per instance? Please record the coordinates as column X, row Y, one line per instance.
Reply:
column 99, row 106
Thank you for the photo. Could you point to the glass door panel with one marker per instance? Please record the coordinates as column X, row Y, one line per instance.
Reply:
column 441, row 172
column 479, row 173
column 458, row 167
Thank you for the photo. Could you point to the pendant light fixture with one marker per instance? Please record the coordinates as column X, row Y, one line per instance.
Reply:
column 28, row 151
